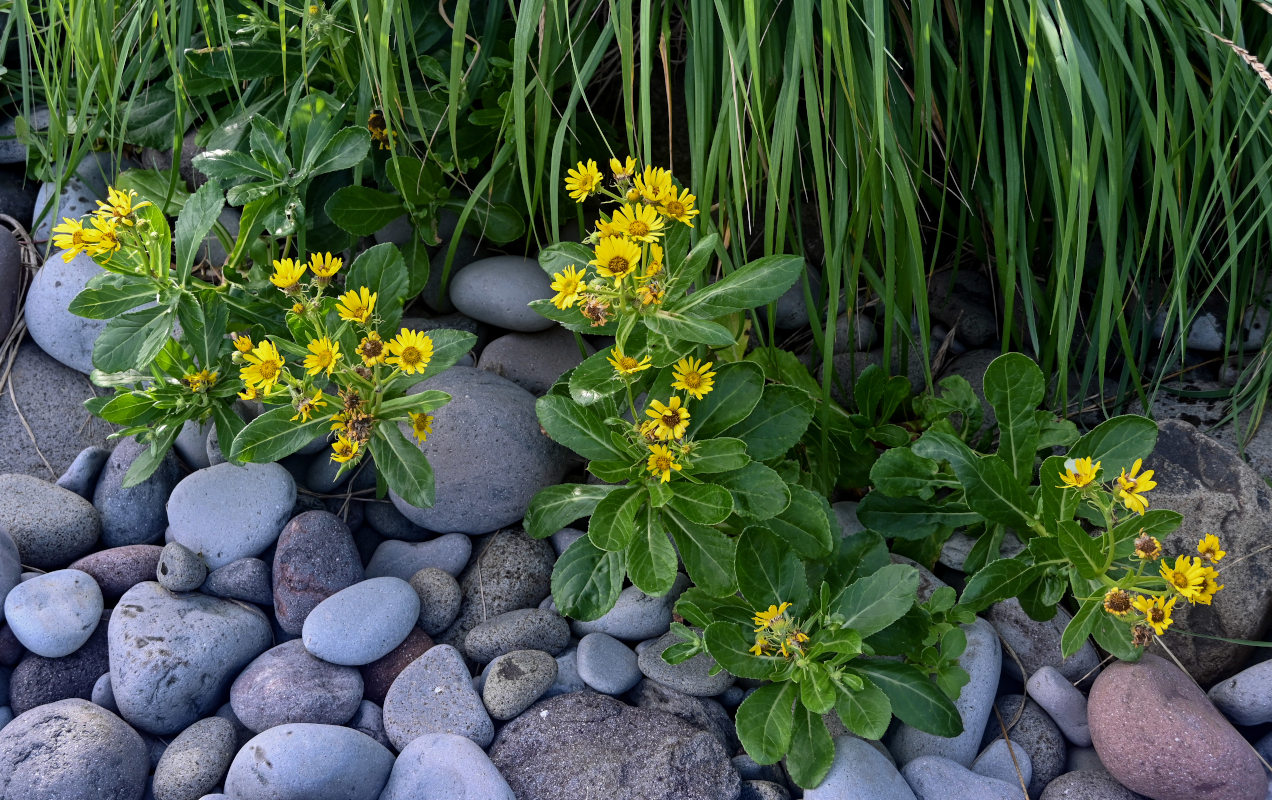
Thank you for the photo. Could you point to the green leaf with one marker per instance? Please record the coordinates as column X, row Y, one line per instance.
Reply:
column 766, row 721
column 999, row 580
column 759, row 493
column 499, row 222
column 199, row 214
column 866, row 712
column 899, row 472
column 110, row 295
column 988, row 483
column 915, row 700
column 693, row 263
column 578, row 427
column 1087, row 554
column 777, row 422
column 708, row 554
column 418, row 183
column 680, row 328
column 760, row 282
column 817, row 693
column 805, row 523
column 1118, row 442
column 738, row 387
column 149, row 460
column 768, row 572
column 594, row 379
column 273, row 435
column 878, row 394
column 911, row 518
column 554, row 507
column 613, row 523
column 1014, row 387
column 361, row 210
column 718, row 455
column 417, row 403
column 382, row 271
column 405, row 468
column 131, row 341
column 651, row 559
column 165, row 188
column 128, row 409
column 728, row 644
column 1114, row 636
column 228, row 425
column 203, row 322
column 556, row 257
column 1157, row 522
column 231, row 165
column 586, row 580
column 347, row 149
column 874, row 602
column 1059, row 502
column 704, row 503
column 812, row 750
column 1079, row 628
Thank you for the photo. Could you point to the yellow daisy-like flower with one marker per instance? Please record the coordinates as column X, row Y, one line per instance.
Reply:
column 199, row 381
column 298, row 308
column 693, row 377
column 323, row 355
column 651, row 295
column 421, row 425
column 379, row 130
column 567, row 285
column 371, row 349
column 680, row 207
column 242, row 342
column 287, row 273
column 633, row 194
column 627, row 365
column 119, row 205
column 104, row 239
column 616, row 257
column 1117, row 602
column 1147, row 548
column 623, row 170
column 1131, row 488
column 72, row 237
column 265, row 366
column 640, row 223
column 653, row 184
column 655, row 265
column 1208, row 547
column 671, row 419
column 583, row 180
column 1187, row 577
column 1079, row 472
column 343, row 449
column 325, row 265
column 411, row 351
column 248, row 393
column 356, row 305
column 1211, row 585
column 307, row 405
column 1156, row 611
column 661, row 462
column 765, row 619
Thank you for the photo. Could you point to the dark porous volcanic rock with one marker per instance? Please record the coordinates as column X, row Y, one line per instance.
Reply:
column 379, row 675
column 591, row 745
column 1159, row 735
column 37, row 680
column 316, row 557
column 513, row 571
column 118, row 569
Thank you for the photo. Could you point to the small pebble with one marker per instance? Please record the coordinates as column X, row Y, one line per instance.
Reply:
column 439, row 599
column 1066, row 705
column 523, row 629
column 180, row 569
column 196, row 761
column 516, row 680
column 606, row 664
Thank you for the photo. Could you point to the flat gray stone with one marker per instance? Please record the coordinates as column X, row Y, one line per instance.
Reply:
column 443, row 765
column 369, row 719
column 534, row 361
column 246, row 579
column 636, row 616
column 449, row 553
column 1033, row 730
column 937, row 778
column 523, row 629
column 1063, row 702
column 434, row 694
column 316, row 557
column 516, row 680
column 439, row 599
column 228, row 512
column 55, row 613
column 498, row 291
column 860, row 772
column 606, row 664
column 1246, row 698
column 691, row 677
column 63, row 335
column 286, row 684
column 50, row 525
column 568, row 679
column 1037, row 644
column 1008, row 762
column 118, row 569
column 196, row 761
column 136, row 515
column 81, row 476
column 305, row 760
column 357, row 625
column 180, row 569
column 103, row 695
column 511, row 571
column 192, row 444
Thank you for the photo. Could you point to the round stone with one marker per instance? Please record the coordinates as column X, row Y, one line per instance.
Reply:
column 606, row 664
column 196, row 761
column 310, row 761
column 37, row 680
column 512, row 571
column 315, row 558
column 51, row 526
column 499, row 290
column 636, row 616
column 228, row 512
column 246, row 579
column 64, row 336
column 523, row 629
column 55, row 613
column 435, row 694
column 533, row 361
column 515, row 680
column 81, row 476
column 103, row 695
column 359, row 624
column 118, row 569
column 439, row 599
column 137, row 514
column 445, row 765
column 286, row 684
column 691, row 677
column 180, row 569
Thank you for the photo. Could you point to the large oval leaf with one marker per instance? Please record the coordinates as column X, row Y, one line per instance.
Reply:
column 273, row 435
column 766, row 720
column 586, row 580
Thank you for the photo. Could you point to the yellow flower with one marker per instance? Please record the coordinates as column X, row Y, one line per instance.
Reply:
column 379, row 130
column 623, row 170
column 1117, row 602
column 103, row 240
column 662, row 461
column 583, row 180
column 119, row 205
column 680, row 207
column 627, row 365
column 671, row 419
column 1211, row 577
column 371, row 348
column 1131, row 488
column 248, row 394
column 1186, row 577
column 71, row 237
column 287, row 273
column 1147, row 548
column 265, row 367
column 199, row 381
column 1209, row 548
column 325, row 265
column 654, row 184
column 1079, row 472
column 567, row 284
column 765, row 619
column 298, row 308
column 411, row 351
column 1156, row 611
column 356, row 306
column 323, row 356
column 616, row 257
column 421, row 425
column 307, row 405
column 343, row 449
column 655, row 265
column 641, row 223
column 650, row 295
column 242, row 342
column 776, row 632
column 757, row 648
column 693, row 377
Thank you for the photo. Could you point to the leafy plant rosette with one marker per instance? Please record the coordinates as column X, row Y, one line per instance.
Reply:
column 321, row 357
column 697, row 466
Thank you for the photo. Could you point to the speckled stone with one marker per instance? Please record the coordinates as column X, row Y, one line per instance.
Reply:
column 315, row 558
column 691, row 677
column 286, row 684
column 523, row 629
column 37, row 680
column 51, row 526
column 196, row 761
column 516, row 680
column 180, row 569
column 434, row 694
column 118, row 569
column 246, row 579
column 314, row 762
column 511, row 571
column 439, row 599
column 379, row 675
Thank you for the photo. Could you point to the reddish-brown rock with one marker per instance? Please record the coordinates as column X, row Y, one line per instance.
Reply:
column 118, row 569
column 1159, row 735
column 316, row 557
column 379, row 675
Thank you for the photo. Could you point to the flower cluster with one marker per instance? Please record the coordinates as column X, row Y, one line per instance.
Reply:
column 664, row 430
column 1130, row 487
column 101, row 237
column 775, row 632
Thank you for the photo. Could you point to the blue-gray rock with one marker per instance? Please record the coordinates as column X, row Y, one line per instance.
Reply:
column 359, row 624
column 304, row 761
column 245, row 579
column 791, row 310
column 566, row 537
column 50, row 525
column 1033, row 730
column 435, row 694
column 523, row 629
column 854, row 332
column 10, row 567
column 315, row 558
column 321, row 475
column 12, row 150
column 636, row 616
column 937, row 778
column 390, row 523
column 17, row 196
column 534, row 361
column 1008, row 762
column 498, row 291
column 983, row 662
column 1246, row 698
column 55, row 613
column 606, row 664
column 465, row 250
column 192, row 444
column 228, row 512
column 77, row 199
column 287, row 684
column 369, row 719
column 512, row 571
column 439, row 599
column 63, row 335
column 81, row 476
column 691, row 677
column 72, row 750
column 1063, row 702
column 103, row 695
column 449, row 553
column 588, row 744
column 1037, row 644
column 212, row 449
column 196, row 761
column 703, row 713
column 763, row 790
column 515, row 680
column 118, row 569
column 493, row 416
column 37, row 680
column 11, row 269
column 568, row 679
column 173, row 656
column 748, row 770
column 180, row 569
column 1087, row 785
column 443, row 766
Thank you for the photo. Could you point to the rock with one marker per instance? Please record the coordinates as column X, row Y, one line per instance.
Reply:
column 860, row 772
column 387, row 521
column 1087, row 786
column 585, row 744
column 1037, row 644
column 37, row 680
column 763, row 790
column 196, row 761
column 135, row 515
column 1007, row 762
column 1064, row 703
column 983, row 662
column 72, row 750
column 192, row 444
column 17, row 196
column 965, row 298
column 465, row 250
column 1158, row 735
column 228, row 512
column 246, row 579
column 10, row 567
column 286, row 684
column 439, row 599
column 854, row 332
column 568, row 679
column 363, row 622
column 321, row 475
column 448, row 553
column 494, row 416
column 180, row 569
column 636, row 616
column 55, row 613
column 523, row 629
column 1033, row 730
column 791, row 311
column 703, row 713
column 379, row 675
column 103, row 695
column 434, row 694
column 1246, row 698
column 81, row 476
column 50, row 525
column 369, row 719
column 566, row 537
column 848, row 366
column 1216, row 493
column 442, row 765
column 304, row 761
column 64, row 336
column 512, row 571
column 937, row 778
column 315, row 558
column 516, row 680
column 498, row 291
column 533, row 361
column 173, row 656
column 76, row 199
column 690, row 677
column 606, row 664
column 118, row 569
